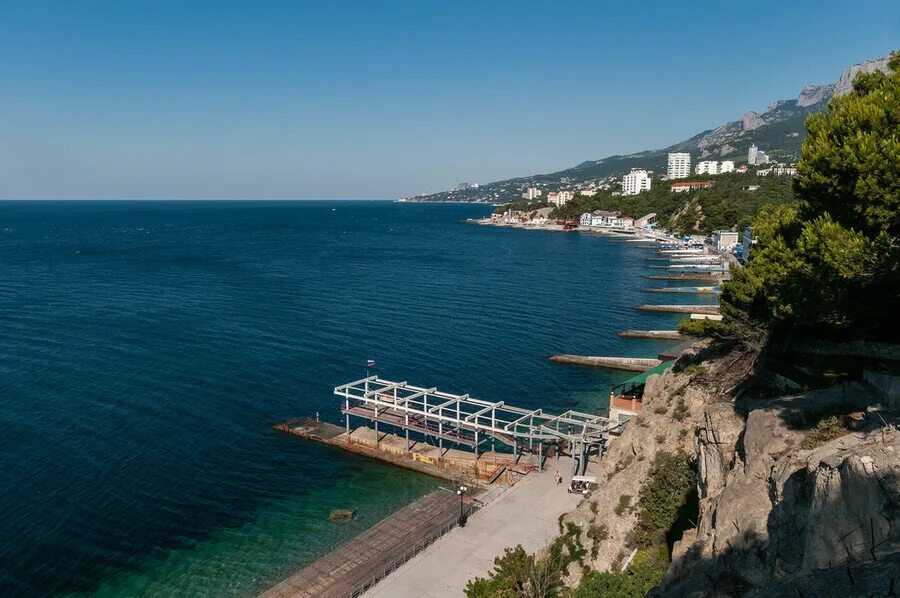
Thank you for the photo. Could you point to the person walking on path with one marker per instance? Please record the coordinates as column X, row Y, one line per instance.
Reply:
column 558, row 477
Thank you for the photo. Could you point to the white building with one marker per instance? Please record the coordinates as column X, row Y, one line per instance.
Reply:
column 725, row 240
column 726, row 166
column 756, row 156
column 648, row 221
column 679, row 166
column 587, row 192
column 707, row 167
column 635, row 181
column 559, row 198
column 531, row 193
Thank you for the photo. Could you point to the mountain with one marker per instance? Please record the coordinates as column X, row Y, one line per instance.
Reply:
column 778, row 130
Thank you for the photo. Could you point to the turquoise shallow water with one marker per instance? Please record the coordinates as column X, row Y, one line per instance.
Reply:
column 147, row 347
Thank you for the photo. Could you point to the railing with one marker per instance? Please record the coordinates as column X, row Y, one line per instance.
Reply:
column 398, row 561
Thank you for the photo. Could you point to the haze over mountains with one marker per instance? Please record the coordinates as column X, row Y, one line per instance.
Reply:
column 779, row 130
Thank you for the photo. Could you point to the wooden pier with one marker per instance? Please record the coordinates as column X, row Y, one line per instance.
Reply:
column 369, row 557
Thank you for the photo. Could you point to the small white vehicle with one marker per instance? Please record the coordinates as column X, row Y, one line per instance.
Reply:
column 582, row 484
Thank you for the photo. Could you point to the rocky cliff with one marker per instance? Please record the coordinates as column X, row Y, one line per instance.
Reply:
column 793, row 490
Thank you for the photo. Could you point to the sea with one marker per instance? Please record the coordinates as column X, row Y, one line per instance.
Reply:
column 147, row 348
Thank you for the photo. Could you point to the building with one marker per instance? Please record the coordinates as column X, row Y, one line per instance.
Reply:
column 707, row 167
column 635, row 181
column 604, row 218
column 756, row 156
column 559, row 198
column 531, row 193
column 626, row 399
column 648, row 221
column 747, row 242
column 725, row 240
column 679, row 165
column 621, row 222
column 587, row 192
column 726, row 166
column 741, row 169
column 686, row 186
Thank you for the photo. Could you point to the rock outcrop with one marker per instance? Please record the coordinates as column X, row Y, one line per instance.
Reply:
column 773, row 506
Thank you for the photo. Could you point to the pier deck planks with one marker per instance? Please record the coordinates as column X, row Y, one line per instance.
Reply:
column 360, row 560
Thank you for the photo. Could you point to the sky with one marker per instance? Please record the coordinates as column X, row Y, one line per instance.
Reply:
column 386, row 99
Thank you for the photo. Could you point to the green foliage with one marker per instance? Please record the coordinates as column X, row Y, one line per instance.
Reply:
column 670, row 486
column 720, row 207
column 703, row 328
column 643, row 574
column 624, row 505
column 511, row 570
column 597, row 534
column 851, row 156
column 516, row 573
column 832, row 265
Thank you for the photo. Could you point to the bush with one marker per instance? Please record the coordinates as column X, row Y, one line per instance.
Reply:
column 624, row 505
column 666, row 500
column 645, row 572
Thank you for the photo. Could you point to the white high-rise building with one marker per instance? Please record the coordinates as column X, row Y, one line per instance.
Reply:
column 726, row 166
column 707, row 167
column 531, row 193
column 635, row 181
column 756, row 156
column 679, row 165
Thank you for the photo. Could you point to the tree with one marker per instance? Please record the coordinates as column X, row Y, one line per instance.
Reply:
column 832, row 265
column 851, row 157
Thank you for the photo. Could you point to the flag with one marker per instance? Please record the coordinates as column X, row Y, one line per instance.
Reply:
column 370, row 363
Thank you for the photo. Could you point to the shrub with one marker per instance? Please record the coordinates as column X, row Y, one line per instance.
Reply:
column 668, row 496
column 624, row 505
column 644, row 573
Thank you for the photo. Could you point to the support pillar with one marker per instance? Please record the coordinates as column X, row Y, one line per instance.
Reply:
column 407, row 431
column 347, row 415
column 376, row 425
column 540, row 456
column 476, row 445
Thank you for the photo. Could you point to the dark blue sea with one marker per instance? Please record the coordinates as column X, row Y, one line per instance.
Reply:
column 146, row 348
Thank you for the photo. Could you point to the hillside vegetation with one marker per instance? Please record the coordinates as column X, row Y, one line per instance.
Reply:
column 723, row 206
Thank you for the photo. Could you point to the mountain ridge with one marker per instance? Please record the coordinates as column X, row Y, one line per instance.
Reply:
column 778, row 130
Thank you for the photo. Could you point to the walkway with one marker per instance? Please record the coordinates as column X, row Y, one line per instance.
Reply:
column 368, row 556
column 526, row 514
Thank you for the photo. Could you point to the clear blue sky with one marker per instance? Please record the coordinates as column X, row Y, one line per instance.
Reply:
column 125, row 99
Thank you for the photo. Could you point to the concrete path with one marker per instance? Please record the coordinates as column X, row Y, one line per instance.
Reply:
column 526, row 514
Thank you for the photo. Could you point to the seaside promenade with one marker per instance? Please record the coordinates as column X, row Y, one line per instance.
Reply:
column 526, row 514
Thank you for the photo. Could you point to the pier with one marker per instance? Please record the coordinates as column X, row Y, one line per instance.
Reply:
column 366, row 559
column 685, row 290
column 673, row 335
column 712, row 277
column 681, row 309
column 631, row 364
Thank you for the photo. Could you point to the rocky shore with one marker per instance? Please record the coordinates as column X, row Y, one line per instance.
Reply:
column 797, row 487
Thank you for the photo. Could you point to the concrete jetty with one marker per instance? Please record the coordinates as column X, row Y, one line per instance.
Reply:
column 669, row 335
column 631, row 364
column 684, row 290
column 449, row 464
column 681, row 309
column 712, row 276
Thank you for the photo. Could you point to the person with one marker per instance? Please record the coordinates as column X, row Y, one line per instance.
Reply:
column 558, row 477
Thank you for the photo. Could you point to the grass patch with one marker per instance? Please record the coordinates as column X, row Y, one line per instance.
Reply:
column 828, row 428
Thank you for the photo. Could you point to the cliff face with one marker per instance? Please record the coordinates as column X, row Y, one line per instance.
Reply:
column 783, row 500
column 773, row 506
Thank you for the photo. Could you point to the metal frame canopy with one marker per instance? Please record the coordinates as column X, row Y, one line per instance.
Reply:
column 462, row 418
